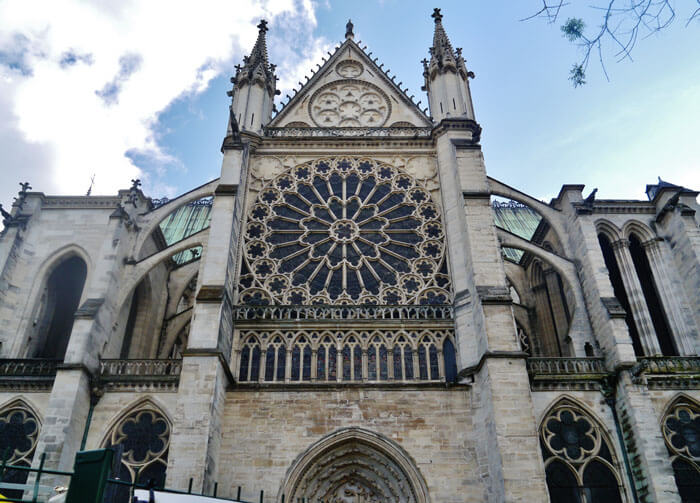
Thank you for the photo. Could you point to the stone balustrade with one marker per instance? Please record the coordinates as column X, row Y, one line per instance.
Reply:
column 28, row 373
column 566, row 373
column 325, row 313
column 403, row 132
column 140, row 374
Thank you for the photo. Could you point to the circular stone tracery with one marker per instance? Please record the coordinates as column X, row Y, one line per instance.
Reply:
column 344, row 231
column 349, row 103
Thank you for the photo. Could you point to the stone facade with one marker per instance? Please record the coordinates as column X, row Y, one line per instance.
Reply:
column 353, row 325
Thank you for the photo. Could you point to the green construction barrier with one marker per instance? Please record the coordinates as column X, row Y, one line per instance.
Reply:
column 90, row 473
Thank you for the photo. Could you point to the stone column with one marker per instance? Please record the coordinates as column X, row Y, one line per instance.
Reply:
column 648, row 455
column 507, row 448
column 206, row 372
column 683, row 331
column 603, row 308
column 640, row 311
column 679, row 224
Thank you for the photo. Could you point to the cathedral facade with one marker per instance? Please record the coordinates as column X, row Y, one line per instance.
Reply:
column 354, row 311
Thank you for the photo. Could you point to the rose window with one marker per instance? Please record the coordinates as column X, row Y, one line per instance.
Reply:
column 344, row 231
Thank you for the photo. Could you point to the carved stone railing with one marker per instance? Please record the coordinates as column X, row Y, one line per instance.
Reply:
column 403, row 132
column 670, row 372
column 28, row 373
column 140, row 374
column 247, row 313
column 566, row 373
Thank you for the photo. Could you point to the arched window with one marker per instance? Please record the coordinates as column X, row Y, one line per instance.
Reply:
column 428, row 359
column 403, row 359
column 352, row 360
column 377, row 365
column 326, row 360
column 19, row 431
column 60, row 300
column 450, row 356
column 578, row 459
column 301, row 360
column 275, row 360
column 619, row 290
column 380, row 355
column 250, row 360
column 681, row 430
column 142, row 437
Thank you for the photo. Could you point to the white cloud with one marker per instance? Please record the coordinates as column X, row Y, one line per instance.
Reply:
column 82, row 83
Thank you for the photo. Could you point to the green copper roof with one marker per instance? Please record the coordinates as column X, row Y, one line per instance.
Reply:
column 184, row 222
column 518, row 219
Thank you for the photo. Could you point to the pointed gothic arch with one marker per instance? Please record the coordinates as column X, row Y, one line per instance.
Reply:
column 55, row 300
column 20, row 425
column 579, row 456
column 359, row 461
column 141, row 435
column 680, row 426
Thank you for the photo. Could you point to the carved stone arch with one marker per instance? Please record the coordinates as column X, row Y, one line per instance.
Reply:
column 139, row 403
column 22, row 402
column 551, row 215
column 641, row 230
column 680, row 425
column 141, row 433
column 151, row 220
column 678, row 398
column 20, row 426
column 372, row 466
column 571, row 435
column 608, row 229
column 58, row 257
column 138, row 271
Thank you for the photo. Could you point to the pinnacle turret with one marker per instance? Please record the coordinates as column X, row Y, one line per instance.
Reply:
column 256, row 67
column 254, row 89
column 451, row 98
column 442, row 57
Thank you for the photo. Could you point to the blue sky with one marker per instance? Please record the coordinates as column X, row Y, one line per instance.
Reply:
column 159, row 104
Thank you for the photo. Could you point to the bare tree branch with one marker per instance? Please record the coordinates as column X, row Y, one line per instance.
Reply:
column 623, row 24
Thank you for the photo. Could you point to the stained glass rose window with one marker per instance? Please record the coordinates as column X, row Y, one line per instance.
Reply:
column 344, row 231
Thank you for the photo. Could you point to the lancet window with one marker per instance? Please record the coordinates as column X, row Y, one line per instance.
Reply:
column 681, row 430
column 347, row 356
column 19, row 431
column 142, row 438
column 344, row 231
column 578, row 459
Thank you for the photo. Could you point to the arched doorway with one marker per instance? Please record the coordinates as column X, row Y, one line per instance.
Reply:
column 354, row 466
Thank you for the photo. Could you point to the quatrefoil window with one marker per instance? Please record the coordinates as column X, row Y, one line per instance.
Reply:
column 344, row 231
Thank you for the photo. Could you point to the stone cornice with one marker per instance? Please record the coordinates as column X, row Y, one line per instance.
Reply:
column 78, row 202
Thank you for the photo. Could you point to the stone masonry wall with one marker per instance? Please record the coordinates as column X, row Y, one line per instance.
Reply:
column 264, row 431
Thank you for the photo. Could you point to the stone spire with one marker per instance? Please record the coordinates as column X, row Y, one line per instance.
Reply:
column 256, row 67
column 442, row 57
column 254, row 89
column 451, row 97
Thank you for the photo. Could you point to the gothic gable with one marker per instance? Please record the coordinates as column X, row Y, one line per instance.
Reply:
column 350, row 90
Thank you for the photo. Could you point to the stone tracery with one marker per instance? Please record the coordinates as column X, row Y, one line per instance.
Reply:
column 344, row 231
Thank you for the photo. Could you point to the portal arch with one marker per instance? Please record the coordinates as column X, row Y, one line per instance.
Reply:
column 357, row 461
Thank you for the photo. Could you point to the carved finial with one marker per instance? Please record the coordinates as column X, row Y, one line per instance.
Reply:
column 135, row 184
column 25, row 187
column 436, row 15
column 348, row 30
column 262, row 27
